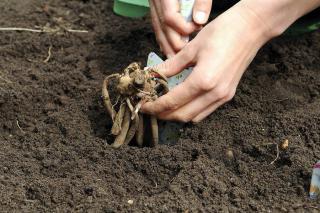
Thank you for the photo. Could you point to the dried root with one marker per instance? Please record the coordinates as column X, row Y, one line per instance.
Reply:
column 134, row 87
column 154, row 130
column 120, row 139
column 132, row 131
column 158, row 73
column 140, row 131
column 106, row 97
column 164, row 85
column 116, row 128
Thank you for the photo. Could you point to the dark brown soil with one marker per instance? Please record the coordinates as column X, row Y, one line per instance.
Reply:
column 54, row 131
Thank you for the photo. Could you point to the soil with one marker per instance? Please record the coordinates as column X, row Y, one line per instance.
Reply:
column 54, row 130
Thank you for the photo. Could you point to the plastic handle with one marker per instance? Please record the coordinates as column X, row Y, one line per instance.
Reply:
column 186, row 8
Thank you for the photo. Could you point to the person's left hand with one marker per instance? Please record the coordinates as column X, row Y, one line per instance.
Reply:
column 170, row 27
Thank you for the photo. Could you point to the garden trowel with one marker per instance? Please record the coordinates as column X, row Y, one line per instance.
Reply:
column 168, row 130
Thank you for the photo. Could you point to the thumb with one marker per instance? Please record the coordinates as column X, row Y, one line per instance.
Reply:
column 176, row 63
column 201, row 11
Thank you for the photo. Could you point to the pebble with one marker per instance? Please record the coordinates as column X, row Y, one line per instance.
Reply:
column 229, row 154
column 284, row 145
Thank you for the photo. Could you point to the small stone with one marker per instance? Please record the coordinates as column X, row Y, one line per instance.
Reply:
column 90, row 199
column 130, row 202
column 88, row 190
column 229, row 154
column 284, row 209
column 284, row 145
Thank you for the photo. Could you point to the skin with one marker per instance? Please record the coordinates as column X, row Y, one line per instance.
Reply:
column 220, row 53
column 170, row 27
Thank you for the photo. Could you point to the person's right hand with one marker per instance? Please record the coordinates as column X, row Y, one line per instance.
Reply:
column 220, row 53
column 170, row 27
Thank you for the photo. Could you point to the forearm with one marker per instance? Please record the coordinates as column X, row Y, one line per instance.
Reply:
column 278, row 15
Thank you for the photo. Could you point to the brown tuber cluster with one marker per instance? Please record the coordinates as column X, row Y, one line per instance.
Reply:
column 132, row 89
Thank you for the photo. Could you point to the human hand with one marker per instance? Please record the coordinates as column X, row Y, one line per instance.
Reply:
column 220, row 52
column 170, row 27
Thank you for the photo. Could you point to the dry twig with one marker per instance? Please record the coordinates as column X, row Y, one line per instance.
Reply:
column 5, row 80
column 49, row 55
column 278, row 153
column 42, row 30
column 19, row 126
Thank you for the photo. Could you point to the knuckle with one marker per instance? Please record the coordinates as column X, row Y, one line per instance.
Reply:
column 168, row 17
column 171, row 104
column 177, row 46
column 221, row 92
column 206, row 83
column 203, row 4
column 176, row 43
column 230, row 95
column 187, row 53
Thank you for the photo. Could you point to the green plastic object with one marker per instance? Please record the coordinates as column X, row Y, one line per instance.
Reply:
column 304, row 26
column 299, row 27
column 139, row 8
column 131, row 8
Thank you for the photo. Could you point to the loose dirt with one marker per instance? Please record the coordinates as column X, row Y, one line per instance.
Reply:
column 54, row 130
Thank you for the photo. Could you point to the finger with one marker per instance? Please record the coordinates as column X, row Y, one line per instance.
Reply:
column 176, row 41
column 222, row 91
column 201, row 11
column 172, row 17
column 178, row 96
column 192, row 109
column 207, row 111
column 158, row 7
column 226, row 97
column 161, row 38
column 178, row 62
column 165, row 46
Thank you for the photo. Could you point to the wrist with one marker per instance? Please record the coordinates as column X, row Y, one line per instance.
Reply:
column 275, row 16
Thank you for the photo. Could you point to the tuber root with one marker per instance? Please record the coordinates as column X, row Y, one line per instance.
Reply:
column 154, row 130
column 106, row 98
column 119, row 141
column 132, row 131
column 116, row 127
column 140, row 131
column 134, row 86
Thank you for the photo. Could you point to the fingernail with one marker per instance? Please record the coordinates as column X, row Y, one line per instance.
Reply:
column 185, row 39
column 200, row 17
column 170, row 55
